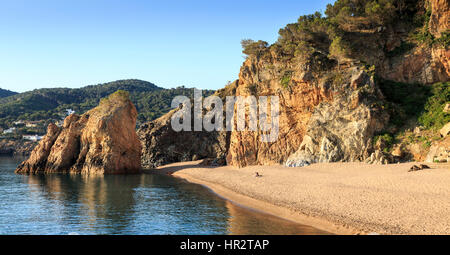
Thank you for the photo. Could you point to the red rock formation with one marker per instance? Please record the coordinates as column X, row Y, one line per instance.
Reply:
column 328, row 111
column 333, row 112
column 296, row 106
column 101, row 141
column 440, row 17
column 423, row 64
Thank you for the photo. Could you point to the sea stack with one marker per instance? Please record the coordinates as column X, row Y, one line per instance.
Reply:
column 101, row 141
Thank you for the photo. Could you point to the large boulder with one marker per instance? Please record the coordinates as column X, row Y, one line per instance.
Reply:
column 439, row 151
column 101, row 141
column 445, row 130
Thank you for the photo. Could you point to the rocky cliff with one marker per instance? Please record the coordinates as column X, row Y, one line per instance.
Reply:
column 405, row 51
column 325, row 119
column 327, row 74
column 440, row 18
column 162, row 145
column 16, row 147
column 101, row 141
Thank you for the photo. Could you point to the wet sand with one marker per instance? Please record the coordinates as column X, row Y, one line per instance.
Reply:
column 341, row 198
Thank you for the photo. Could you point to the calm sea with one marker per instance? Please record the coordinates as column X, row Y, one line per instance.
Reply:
column 125, row 204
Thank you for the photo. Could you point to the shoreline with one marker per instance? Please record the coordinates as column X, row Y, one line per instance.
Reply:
column 268, row 208
column 237, row 186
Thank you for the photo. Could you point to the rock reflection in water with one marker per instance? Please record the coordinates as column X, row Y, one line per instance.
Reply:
column 123, row 204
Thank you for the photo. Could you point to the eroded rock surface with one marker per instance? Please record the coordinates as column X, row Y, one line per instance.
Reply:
column 341, row 130
column 101, row 141
column 440, row 17
column 439, row 151
column 330, row 108
column 162, row 145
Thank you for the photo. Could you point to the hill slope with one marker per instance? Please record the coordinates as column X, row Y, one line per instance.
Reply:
column 6, row 93
column 45, row 104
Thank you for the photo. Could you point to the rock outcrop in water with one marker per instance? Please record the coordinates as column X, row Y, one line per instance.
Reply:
column 16, row 147
column 101, row 141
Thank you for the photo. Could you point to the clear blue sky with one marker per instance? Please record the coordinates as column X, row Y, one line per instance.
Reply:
column 73, row 43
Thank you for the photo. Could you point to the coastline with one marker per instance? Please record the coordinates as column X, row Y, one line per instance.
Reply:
column 271, row 209
column 340, row 198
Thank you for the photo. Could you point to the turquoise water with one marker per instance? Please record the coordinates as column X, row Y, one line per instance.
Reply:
column 125, row 204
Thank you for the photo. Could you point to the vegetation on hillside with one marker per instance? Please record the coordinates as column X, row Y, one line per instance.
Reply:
column 424, row 103
column 6, row 93
column 366, row 32
column 349, row 28
column 44, row 104
column 411, row 105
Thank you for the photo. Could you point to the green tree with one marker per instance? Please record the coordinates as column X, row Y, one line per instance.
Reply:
column 380, row 11
column 339, row 49
column 250, row 47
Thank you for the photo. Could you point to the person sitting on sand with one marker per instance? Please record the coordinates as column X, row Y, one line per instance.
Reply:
column 424, row 166
column 420, row 167
column 257, row 174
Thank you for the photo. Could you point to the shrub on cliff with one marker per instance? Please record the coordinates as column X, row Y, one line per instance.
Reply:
column 310, row 33
column 339, row 49
column 339, row 33
column 433, row 115
column 422, row 103
column 378, row 12
column 422, row 34
column 120, row 95
column 250, row 47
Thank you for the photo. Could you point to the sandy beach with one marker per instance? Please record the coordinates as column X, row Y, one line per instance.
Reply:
column 341, row 198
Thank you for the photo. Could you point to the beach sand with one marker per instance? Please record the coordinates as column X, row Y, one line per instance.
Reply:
column 341, row 198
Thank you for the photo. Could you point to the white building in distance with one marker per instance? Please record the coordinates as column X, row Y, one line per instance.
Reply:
column 33, row 138
column 69, row 111
column 9, row 130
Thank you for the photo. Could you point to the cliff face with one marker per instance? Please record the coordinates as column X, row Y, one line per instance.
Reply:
column 162, row 145
column 297, row 101
column 101, row 141
column 16, row 147
column 423, row 65
column 322, row 119
column 440, row 17
column 331, row 106
column 331, row 112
